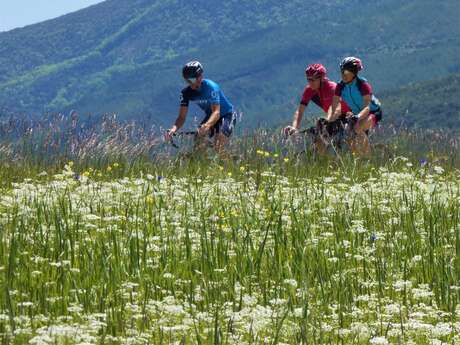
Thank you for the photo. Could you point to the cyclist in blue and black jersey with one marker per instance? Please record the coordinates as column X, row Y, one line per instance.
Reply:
column 220, row 117
column 358, row 95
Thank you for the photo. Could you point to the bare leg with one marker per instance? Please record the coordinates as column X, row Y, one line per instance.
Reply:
column 200, row 144
column 321, row 140
column 320, row 146
column 220, row 143
column 361, row 143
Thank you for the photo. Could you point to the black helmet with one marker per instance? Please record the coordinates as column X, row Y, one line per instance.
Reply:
column 192, row 69
column 352, row 64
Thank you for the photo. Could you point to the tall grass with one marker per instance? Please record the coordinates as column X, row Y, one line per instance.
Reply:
column 109, row 236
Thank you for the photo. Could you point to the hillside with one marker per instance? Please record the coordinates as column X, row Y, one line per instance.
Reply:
column 125, row 56
column 432, row 104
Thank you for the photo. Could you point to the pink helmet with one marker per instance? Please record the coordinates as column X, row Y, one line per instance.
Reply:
column 316, row 70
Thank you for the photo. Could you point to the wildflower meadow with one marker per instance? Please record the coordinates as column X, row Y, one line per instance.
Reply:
column 109, row 236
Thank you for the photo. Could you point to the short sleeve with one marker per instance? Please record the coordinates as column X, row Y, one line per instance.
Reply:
column 306, row 96
column 366, row 89
column 214, row 97
column 184, row 99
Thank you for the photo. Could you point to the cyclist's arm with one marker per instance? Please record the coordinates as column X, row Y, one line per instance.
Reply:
column 298, row 115
column 215, row 116
column 180, row 118
column 337, row 111
column 334, row 110
column 214, row 98
column 366, row 110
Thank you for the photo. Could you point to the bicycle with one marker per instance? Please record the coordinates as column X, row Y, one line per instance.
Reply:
column 188, row 144
column 324, row 135
column 194, row 134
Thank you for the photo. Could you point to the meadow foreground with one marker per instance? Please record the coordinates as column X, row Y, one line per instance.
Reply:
column 241, row 256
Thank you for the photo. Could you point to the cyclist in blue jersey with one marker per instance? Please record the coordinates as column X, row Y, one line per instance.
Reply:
column 358, row 95
column 220, row 116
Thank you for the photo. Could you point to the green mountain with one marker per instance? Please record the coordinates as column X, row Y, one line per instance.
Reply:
column 125, row 56
column 432, row 104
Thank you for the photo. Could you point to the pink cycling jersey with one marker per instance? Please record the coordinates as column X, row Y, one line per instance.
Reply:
column 322, row 97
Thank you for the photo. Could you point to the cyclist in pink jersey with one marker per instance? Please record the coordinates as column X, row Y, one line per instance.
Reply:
column 321, row 91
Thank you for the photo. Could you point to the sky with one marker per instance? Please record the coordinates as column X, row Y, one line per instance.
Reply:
column 18, row 13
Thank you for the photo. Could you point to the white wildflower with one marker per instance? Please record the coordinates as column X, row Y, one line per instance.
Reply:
column 438, row 169
column 401, row 285
column 379, row 341
column 442, row 330
column 249, row 300
column 278, row 301
column 91, row 217
column 291, row 282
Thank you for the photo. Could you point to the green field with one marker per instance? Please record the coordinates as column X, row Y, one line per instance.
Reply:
column 270, row 247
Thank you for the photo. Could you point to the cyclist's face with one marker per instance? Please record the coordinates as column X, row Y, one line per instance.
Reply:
column 347, row 76
column 314, row 83
column 195, row 83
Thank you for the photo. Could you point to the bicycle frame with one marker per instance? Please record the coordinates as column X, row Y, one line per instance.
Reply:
column 194, row 134
column 185, row 133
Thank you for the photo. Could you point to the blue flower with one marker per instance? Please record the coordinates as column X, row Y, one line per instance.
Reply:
column 423, row 162
column 373, row 237
column 76, row 177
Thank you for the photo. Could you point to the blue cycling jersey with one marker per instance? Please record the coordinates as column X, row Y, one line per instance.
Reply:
column 354, row 92
column 207, row 95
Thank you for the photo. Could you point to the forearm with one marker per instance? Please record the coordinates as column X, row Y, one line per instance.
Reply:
column 332, row 114
column 298, row 115
column 366, row 109
column 364, row 113
column 180, row 118
column 179, row 123
column 215, row 116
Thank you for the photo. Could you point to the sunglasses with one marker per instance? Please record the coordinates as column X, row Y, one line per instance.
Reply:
column 312, row 79
column 191, row 80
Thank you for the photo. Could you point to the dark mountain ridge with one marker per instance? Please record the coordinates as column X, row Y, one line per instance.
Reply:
column 125, row 56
